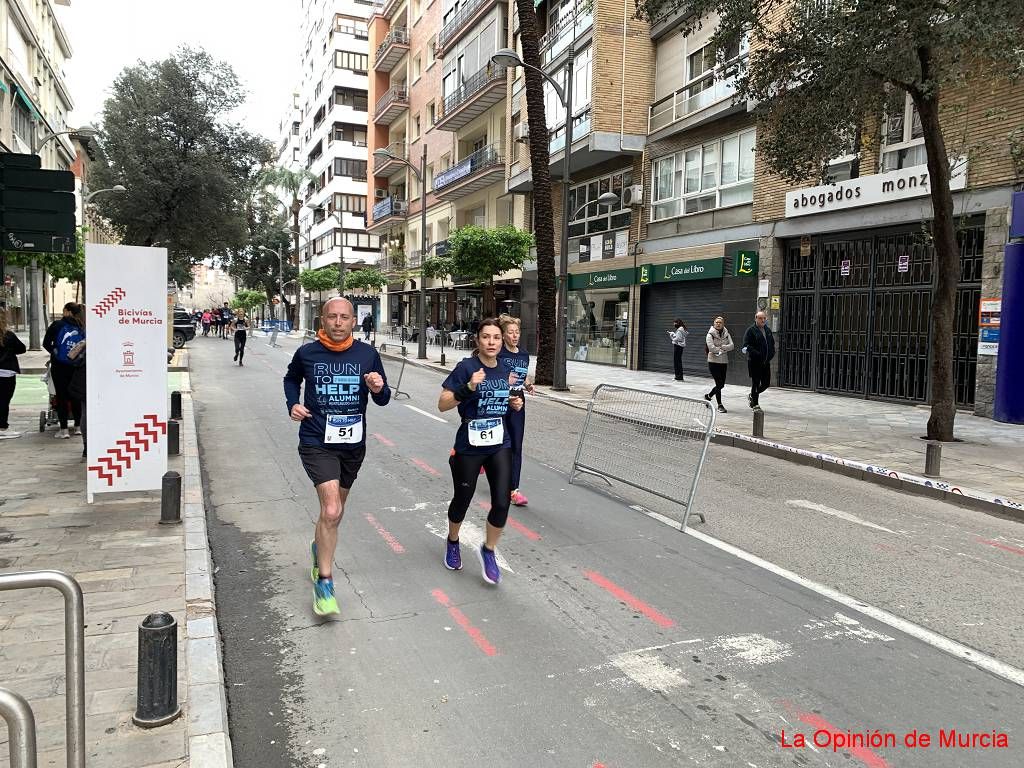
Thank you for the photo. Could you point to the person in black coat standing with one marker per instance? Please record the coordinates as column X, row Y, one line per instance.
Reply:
column 759, row 345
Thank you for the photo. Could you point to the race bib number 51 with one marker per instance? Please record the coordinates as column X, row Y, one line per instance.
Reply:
column 344, row 429
column 486, row 432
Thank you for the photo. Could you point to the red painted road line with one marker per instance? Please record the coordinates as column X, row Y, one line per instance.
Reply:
column 1000, row 545
column 632, row 601
column 426, row 467
column 863, row 754
column 384, row 440
column 512, row 522
column 598, row 765
column 531, row 535
column 385, row 534
column 462, row 620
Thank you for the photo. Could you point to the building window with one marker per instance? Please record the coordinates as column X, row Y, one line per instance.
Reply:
column 415, row 127
column 21, row 121
column 416, row 68
column 357, row 62
column 351, row 97
column 295, row 155
column 354, row 169
column 717, row 174
column 591, row 218
column 295, row 128
column 431, row 115
column 903, row 143
column 430, row 175
column 353, row 238
column 431, row 52
column 353, row 134
column 349, row 203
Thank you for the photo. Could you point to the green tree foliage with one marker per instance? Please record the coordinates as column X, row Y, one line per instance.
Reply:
column 168, row 138
column 480, row 253
column 248, row 300
column 824, row 75
column 366, row 279
column 320, row 280
column 255, row 268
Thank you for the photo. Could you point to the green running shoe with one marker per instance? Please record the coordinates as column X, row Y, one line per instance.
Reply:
column 324, row 602
column 314, row 573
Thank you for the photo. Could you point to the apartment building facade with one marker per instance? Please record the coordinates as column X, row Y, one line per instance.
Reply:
column 439, row 107
column 324, row 131
column 34, row 105
column 844, row 269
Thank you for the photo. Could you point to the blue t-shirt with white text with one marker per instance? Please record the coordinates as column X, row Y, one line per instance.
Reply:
column 490, row 401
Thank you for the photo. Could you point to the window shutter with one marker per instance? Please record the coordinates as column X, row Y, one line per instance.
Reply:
column 669, row 62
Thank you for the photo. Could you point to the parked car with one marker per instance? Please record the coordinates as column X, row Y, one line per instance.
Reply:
column 184, row 329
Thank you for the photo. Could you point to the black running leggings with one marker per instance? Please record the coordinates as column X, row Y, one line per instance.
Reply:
column 466, row 470
column 240, row 345
column 718, row 371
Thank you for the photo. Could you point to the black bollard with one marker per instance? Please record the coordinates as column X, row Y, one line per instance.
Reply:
column 157, row 691
column 170, row 499
column 173, row 443
column 175, row 404
column 758, row 423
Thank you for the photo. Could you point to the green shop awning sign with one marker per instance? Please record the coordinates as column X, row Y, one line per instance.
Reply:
column 612, row 278
column 698, row 269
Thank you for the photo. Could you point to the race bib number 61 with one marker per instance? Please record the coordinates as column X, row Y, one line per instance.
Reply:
column 345, row 429
column 486, row 432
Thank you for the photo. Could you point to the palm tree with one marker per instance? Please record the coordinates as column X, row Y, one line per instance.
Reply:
column 543, row 216
column 282, row 179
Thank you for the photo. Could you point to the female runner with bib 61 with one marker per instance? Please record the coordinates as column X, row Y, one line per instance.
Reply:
column 479, row 388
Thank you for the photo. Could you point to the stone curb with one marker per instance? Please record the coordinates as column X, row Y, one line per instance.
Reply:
column 209, row 745
column 890, row 478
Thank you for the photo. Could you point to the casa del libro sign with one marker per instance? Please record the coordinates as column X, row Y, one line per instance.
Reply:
column 877, row 188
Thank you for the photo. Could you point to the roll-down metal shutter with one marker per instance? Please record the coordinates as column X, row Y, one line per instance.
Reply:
column 696, row 303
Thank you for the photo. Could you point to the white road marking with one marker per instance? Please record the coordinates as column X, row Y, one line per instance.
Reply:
column 424, row 413
column 752, row 649
column 843, row 626
column 934, row 639
column 649, row 672
column 835, row 513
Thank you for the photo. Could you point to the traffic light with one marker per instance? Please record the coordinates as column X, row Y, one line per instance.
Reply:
column 37, row 207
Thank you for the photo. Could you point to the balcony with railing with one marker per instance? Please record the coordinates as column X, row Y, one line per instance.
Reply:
column 699, row 102
column 469, row 12
column 385, row 166
column 391, row 50
column 580, row 128
column 568, row 29
column 474, row 172
column 476, row 95
column 387, row 8
column 391, row 105
column 392, row 262
column 388, row 211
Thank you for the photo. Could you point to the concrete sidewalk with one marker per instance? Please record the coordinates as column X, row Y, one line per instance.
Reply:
column 987, row 459
column 128, row 566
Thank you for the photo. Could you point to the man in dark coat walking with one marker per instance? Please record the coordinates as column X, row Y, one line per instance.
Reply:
column 759, row 345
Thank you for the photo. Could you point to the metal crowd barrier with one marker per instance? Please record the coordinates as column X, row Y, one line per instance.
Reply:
column 396, row 387
column 74, row 672
column 652, row 441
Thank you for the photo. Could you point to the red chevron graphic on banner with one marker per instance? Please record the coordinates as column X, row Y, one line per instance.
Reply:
column 119, row 459
column 109, row 301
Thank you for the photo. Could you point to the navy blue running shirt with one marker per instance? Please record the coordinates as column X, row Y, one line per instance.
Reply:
column 335, row 391
column 515, row 362
column 490, row 401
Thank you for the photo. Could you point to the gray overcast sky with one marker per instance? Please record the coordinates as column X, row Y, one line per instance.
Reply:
column 257, row 39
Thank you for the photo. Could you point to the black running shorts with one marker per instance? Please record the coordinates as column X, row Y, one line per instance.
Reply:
column 323, row 464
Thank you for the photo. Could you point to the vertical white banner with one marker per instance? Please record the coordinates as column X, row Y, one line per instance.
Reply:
column 126, row 367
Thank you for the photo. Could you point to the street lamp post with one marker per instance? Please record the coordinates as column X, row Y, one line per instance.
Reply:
column 421, row 175
column 118, row 189
column 300, row 313
column 35, row 278
column 280, row 280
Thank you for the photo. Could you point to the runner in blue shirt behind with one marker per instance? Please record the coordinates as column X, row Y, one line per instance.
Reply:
column 516, row 363
column 340, row 374
column 480, row 388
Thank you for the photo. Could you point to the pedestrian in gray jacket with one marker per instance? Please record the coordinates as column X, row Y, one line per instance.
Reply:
column 719, row 344
column 678, row 336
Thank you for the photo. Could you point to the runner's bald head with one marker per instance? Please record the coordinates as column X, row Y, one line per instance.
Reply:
column 347, row 306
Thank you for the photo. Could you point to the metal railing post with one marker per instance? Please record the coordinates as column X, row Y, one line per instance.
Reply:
column 74, row 650
column 21, row 729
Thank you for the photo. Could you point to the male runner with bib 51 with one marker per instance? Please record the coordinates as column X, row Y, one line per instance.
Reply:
column 340, row 375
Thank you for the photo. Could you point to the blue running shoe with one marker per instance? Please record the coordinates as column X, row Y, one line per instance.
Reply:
column 489, row 565
column 452, row 555
column 324, row 602
column 315, row 571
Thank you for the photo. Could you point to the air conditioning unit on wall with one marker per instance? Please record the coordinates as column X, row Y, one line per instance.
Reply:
column 521, row 133
column 399, row 207
column 380, row 194
column 633, row 196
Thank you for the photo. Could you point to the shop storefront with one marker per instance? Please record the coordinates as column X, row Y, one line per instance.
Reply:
column 13, row 295
column 598, row 307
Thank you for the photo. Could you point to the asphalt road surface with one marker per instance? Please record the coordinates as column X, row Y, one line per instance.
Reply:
column 613, row 640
